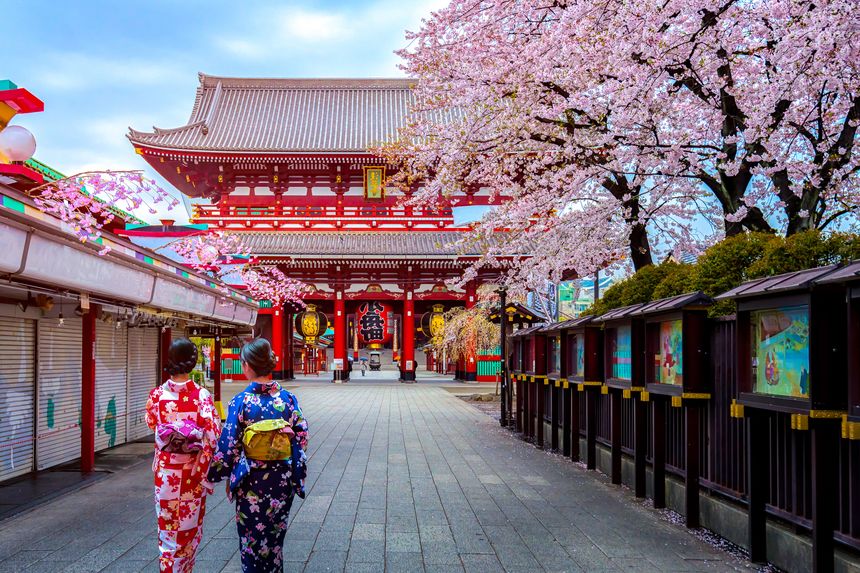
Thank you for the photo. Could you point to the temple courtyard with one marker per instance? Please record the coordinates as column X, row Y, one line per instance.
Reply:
column 402, row 478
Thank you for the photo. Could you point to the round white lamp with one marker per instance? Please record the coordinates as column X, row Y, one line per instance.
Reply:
column 17, row 144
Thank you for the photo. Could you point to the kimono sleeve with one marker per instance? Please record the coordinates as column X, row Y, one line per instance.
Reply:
column 152, row 417
column 229, row 444
column 210, row 422
column 298, row 422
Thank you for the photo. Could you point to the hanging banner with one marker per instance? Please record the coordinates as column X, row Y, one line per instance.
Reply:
column 375, row 321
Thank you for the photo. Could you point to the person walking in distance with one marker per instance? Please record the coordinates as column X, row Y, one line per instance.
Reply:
column 186, row 426
column 363, row 367
column 262, row 450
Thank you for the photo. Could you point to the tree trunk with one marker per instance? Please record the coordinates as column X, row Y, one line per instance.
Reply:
column 640, row 247
column 754, row 221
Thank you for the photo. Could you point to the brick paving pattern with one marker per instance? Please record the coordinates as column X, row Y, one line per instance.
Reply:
column 402, row 478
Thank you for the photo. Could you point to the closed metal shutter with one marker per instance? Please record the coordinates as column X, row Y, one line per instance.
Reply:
column 59, row 431
column 17, row 394
column 111, row 382
column 142, row 377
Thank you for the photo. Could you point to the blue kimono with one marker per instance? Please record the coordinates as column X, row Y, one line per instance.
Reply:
column 263, row 490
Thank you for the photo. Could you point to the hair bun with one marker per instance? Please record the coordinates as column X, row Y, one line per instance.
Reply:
column 181, row 357
column 258, row 355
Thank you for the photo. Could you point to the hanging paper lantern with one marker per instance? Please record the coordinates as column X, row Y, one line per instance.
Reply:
column 375, row 324
column 311, row 324
column 433, row 323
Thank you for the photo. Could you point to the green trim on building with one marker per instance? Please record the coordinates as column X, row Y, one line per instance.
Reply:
column 12, row 204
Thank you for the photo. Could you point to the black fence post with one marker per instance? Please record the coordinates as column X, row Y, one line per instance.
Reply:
column 758, row 468
column 640, row 451
column 658, row 433
column 566, row 428
column 693, row 414
column 503, row 359
column 591, row 429
column 825, row 435
column 615, row 405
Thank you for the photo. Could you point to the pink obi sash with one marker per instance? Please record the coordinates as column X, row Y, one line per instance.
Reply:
column 180, row 437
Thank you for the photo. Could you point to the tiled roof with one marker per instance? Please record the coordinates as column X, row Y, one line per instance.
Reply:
column 527, row 331
column 619, row 313
column 353, row 243
column 675, row 303
column 848, row 273
column 288, row 115
column 798, row 280
column 576, row 322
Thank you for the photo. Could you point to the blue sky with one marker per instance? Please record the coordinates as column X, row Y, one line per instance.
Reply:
column 101, row 67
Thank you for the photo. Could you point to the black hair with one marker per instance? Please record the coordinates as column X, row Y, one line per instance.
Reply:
column 259, row 356
column 181, row 357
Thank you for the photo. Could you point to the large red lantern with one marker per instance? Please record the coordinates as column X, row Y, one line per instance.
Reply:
column 375, row 322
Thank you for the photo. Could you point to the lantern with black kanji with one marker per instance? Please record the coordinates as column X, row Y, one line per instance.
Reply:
column 375, row 324
column 311, row 324
column 433, row 322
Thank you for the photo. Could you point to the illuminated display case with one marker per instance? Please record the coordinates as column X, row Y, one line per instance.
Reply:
column 792, row 336
column 676, row 345
column 623, row 347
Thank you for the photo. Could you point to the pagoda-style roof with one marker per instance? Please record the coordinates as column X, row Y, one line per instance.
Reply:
column 270, row 115
column 406, row 244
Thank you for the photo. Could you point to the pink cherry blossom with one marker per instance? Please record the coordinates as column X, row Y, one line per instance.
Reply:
column 83, row 201
column 621, row 127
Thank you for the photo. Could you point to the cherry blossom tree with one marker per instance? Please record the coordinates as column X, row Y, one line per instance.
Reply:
column 612, row 125
column 89, row 201
column 469, row 331
column 759, row 102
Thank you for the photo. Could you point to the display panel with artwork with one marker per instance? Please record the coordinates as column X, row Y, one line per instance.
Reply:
column 554, row 354
column 579, row 354
column 668, row 362
column 621, row 353
column 780, row 351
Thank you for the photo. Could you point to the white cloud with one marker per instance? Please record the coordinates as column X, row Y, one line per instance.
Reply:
column 348, row 30
column 314, row 27
column 75, row 72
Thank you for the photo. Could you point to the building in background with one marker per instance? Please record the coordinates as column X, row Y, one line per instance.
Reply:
column 574, row 297
column 287, row 164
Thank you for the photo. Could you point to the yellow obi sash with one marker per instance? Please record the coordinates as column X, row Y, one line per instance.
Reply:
column 265, row 440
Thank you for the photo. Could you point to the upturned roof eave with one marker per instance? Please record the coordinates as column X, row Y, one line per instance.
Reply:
column 141, row 143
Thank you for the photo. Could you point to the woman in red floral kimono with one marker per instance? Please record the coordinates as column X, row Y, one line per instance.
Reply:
column 186, row 426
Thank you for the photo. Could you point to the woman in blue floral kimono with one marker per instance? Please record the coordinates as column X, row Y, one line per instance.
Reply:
column 263, row 484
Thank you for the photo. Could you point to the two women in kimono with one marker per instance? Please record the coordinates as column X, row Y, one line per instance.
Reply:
column 261, row 449
column 186, row 426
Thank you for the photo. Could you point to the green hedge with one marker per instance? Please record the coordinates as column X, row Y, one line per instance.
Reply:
column 728, row 264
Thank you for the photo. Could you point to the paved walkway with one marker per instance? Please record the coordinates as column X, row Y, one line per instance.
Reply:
column 403, row 478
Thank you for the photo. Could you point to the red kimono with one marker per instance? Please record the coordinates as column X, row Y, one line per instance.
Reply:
column 180, row 479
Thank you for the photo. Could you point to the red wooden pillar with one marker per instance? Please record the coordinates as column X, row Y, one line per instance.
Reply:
column 339, row 368
column 88, row 391
column 407, row 357
column 216, row 369
column 278, row 341
column 290, row 352
column 471, row 366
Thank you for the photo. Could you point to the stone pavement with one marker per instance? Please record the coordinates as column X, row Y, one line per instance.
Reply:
column 402, row 478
